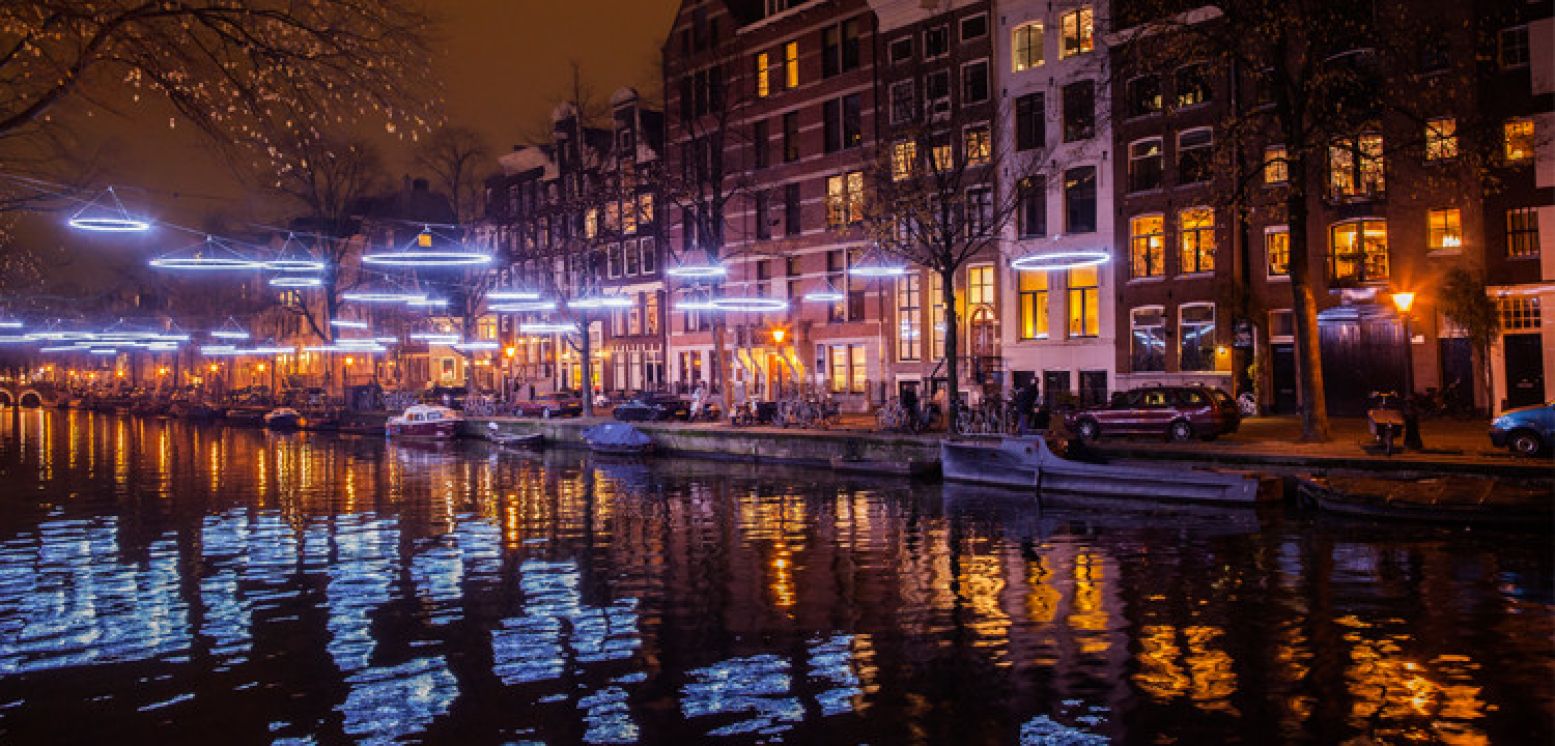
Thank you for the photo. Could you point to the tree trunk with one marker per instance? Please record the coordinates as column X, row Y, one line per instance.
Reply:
column 467, row 334
column 1314, row 405
column 720, row 329
column 947, row 283
column 586, row 352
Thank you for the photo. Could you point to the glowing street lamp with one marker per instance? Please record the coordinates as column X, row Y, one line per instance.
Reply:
column 1404, row 300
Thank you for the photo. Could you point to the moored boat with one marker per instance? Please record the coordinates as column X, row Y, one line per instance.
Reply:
column 1027, row 463
column 425, row 422
column 1461, row 500
column 618, row 439
column 514, row 440
column 284, row 418
column 245, row 416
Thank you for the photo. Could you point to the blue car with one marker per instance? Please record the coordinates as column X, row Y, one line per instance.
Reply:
column 1528, row 431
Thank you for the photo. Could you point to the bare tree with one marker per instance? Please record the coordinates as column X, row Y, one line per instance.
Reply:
column 456, row 156
column 242, row 71
column 329, row 177
column 931, row 203
column 1465, row 302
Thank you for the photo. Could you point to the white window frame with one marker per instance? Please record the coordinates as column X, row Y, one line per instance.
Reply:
column 961, row 37
column 987, row 81
column 1268, row 268
column 1040, row 47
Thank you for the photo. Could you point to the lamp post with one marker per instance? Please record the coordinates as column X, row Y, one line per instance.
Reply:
column 1403, row 301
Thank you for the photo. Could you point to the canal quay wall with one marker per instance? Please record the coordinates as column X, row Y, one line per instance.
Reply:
column 753, row 444
column 888, row 454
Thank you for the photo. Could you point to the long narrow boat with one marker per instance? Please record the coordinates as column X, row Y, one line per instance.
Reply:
column 1458, row 500
column 1027, row 463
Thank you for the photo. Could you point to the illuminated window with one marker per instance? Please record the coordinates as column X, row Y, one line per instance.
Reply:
column 839, row 368
column 791, row 65
column 1444, row 229
column 1355, row 166
column 1196, row 337
column 1196, row 235
column 1518, row 139
column 1276, row 250
column 937, row 315
column 979, row 283
column 1078, row 32
column 909, row 317
column 645, row 208
column 1193, row 85
column 1522, row 232
column 1358, row 250
column 942, row 157
column 1147, row 246
column 1144, row 96
column 1084, row 315
column 763, row 75
column 904, row 157
column 591, row 222
column 1026, row 47
column 1147, row 350
column 844, row 198
column 1519, row 312
column 1275, row 168
column 978, row 144
column 1441, row 139
column 1033, row 301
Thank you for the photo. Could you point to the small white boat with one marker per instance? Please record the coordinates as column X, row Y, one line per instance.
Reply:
column 1027, row 463
column 425, row 422
column 283, row 418
column 515, row 440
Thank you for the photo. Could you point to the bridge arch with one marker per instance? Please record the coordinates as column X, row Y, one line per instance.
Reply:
column 30, row 399
column 6, row 399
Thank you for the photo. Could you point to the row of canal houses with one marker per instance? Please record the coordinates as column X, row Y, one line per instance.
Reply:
column 775, row 110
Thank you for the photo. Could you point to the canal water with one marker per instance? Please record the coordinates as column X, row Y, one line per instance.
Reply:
column 178, row 583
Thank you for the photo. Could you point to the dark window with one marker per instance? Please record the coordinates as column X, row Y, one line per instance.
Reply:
column 936, row 94
column 688, row 230
column 1079, row 110
column 1032, row 217
column 839, row 48
column 1195, row 156
column 975, row 27
column 974, row 82
column 686, row 111
column 901, row 50
column 903, row 103
column 1512, row 50
column 936, row 42
column 844, row 125
column 1144, row 165
column 850, row 45
column 1144, row 96
column 1030, row 122
column 763, row 216
column 1080, row 200
column 791, row 209
column 759, row 137
column 791, row 137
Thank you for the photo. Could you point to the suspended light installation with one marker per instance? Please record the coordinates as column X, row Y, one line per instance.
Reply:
column 421, row 254
column 382, row 296
column 601, row 301
column 347, row 324
column 697, row 271
column 827, row 294
column 547, row 327
column 231, row 329
column 294, row 257
column 476, row 346
column 107, row 214
column 435, row 337
column 538, row 306
column 296, row 281
column 512, row 294
column 749, row 305
column 1049, row 261
column 427, row 302
column 213, row 254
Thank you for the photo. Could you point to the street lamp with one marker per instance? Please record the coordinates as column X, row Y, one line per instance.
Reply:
column 1403, row 301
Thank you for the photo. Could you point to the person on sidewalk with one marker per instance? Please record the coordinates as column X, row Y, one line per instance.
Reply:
column 1025, row 403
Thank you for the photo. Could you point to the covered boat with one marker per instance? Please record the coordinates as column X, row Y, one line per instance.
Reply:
column 617, row 438
column 284, row 418
column 426, row 422
column 1027, row 463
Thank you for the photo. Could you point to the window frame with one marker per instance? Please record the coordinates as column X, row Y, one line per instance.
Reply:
column 1155, row 252
column 1203, row 260
column 962, row 23
column 1033, row 303
column 1084, row 18
column 1026, row 64
column 1269, row 232
column 1182, row 336
column 968, row 83
column 1133, row 338
column 1451, row 227
column 1204, row 171
column 1134, row 159
column 1089, row 297
column 1522, row 232
column 1360, row 260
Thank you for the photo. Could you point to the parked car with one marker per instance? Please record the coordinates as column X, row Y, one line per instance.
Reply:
column 1528, row 431
column 1180, row 413
column 652, row 407
column 560, row 404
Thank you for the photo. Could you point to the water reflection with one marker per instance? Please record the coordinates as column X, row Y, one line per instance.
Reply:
column 180, row 581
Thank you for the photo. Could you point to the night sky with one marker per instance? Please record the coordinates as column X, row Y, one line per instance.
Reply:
column 501, row 64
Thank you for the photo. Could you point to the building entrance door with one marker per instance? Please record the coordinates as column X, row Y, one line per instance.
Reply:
column 1524, row 369
column 1458, row 373
column 1282, row 378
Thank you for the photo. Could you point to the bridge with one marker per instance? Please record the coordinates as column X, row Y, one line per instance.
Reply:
column 28, row 395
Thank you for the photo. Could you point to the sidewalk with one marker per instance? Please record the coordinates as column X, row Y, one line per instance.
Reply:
column 1453, row 445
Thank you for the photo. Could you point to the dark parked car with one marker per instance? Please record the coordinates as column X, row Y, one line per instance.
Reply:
column 560, row 404
column 1528, row 431
column 652, row 407
column 1180, row 413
